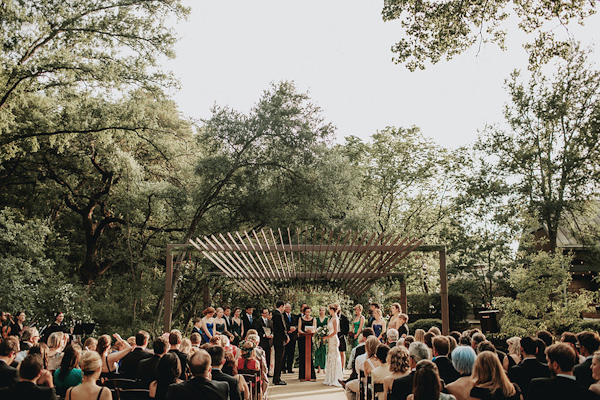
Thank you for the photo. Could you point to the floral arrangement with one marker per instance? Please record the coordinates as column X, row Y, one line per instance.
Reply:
column 247, row 347
column 320, row 333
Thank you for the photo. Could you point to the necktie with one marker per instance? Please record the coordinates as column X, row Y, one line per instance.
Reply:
column 289, row 317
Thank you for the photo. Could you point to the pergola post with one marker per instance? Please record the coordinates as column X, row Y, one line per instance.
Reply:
column 444, row 293
column 403, row 297
column 168, row 292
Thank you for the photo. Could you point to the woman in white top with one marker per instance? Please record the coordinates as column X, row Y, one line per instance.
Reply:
column 372, row 361
column 383, row 371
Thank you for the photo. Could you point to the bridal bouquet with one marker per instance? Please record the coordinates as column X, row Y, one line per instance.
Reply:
column 320, row 333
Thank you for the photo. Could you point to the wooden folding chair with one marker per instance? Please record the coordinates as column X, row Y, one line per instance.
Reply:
column 252, row 377
column 133, row 394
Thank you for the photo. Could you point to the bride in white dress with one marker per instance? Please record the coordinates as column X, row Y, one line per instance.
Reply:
column 333, row 370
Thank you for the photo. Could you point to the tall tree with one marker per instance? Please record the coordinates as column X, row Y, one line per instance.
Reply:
column 437, row 29
column 551, row 153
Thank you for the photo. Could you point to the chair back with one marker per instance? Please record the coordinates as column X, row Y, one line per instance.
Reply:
column 252, row 378
column 133, row 394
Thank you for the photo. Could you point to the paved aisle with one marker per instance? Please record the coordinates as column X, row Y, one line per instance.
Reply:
column 305, row 390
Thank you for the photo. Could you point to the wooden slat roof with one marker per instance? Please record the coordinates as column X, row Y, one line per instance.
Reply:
column 356, row 259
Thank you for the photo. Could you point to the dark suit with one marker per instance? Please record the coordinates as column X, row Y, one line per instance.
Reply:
column 234, row 388
column 446, row 369
column 290, row 320
column 28, row 391
column 402, row 387
column 198, row 389
column 583, row 373
column 146, row 371
column 265, row 343
column 227, row 323
column 558, row 388
column 280, row 337
column 359, row 351
column 183, row 358
column 8, row 375
column 525, row 371
column 247, row 323
column 129, row 363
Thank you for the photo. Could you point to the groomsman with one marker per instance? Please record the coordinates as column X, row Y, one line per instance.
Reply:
column 280, row 339
column 248, row 319
column 291, row 326
column 264, row 327
column 227, row 318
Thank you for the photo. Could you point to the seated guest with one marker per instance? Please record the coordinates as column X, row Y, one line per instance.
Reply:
column 358, row 351
column 561, row 359
column 463, row 358
column 175, row 340
column 477, row 338
column 217, row 355
column 109, row 360
column 370, row 358
column 546, row 337
column 196, row 340
column 68, row 374
column 568, row 337
column 441, row 348
column 55, row 348
column 514, row 353
column 168, row 372
column 30, row 370
column 529, row 368
column 9, row 348
column 427, row 384
column 131, row 361
column 486, row 345
column 248, row 356
column 490, row 379
column 541, row 350
column 399, row 366
column 200, row 387
column 392, row 337
column 589, row 342
column 230, row 368
column 402, row 387
column 383, row 370
column 45, row 378
column 147, row 368
column 262, row 360
column 595, row 387
column 91, row 366
column 90, row 344
column 31, row 337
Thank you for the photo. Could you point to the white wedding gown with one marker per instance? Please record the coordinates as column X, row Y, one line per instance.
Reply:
column 333, row 368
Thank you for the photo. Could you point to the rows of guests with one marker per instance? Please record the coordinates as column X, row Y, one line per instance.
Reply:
column 466, row 366
column 34, row 370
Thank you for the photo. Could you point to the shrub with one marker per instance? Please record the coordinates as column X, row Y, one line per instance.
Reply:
column 431, row 304
column 586, row 326
column 425, row 324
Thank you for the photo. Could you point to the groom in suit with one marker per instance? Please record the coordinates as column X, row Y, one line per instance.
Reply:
column 280, row 339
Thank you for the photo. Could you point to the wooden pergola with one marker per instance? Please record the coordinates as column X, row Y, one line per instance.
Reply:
column 353, row 259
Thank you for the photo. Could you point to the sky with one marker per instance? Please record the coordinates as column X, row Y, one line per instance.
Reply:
column 338, row 51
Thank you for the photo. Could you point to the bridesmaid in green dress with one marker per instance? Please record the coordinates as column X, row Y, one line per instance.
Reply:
column 358, row 323
column 321, row 352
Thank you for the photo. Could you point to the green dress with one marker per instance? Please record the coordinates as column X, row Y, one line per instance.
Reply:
column 321, row 352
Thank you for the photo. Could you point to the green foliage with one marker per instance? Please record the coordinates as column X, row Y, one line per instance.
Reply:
column 543, row 301
column 441, row 29
column 431, row 304
column 581, row 326
column 425, row 324
column 550, row 153
column 31, row 282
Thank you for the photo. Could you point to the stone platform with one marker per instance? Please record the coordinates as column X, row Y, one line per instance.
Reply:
column 305, row 390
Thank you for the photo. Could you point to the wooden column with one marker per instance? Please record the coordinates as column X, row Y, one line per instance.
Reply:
column 168, row 292
column 444, row 293
column 403, row 297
